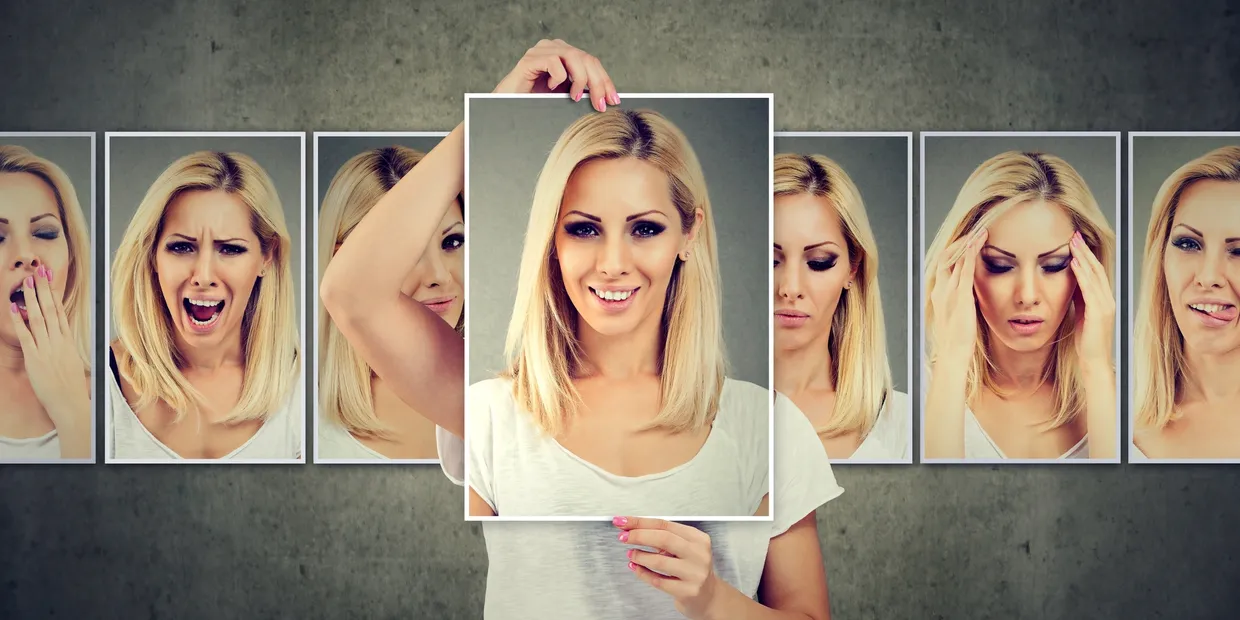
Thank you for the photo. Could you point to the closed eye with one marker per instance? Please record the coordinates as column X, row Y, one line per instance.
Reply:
column 821, row 265
column 996, row 268
column 1056, row 266
column 49, row 234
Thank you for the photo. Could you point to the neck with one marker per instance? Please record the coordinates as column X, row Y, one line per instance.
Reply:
column 1021, row 370
column 228, row 353
column 805, row 368
column 11, row 358
column 621, row 356
column 1211, row 377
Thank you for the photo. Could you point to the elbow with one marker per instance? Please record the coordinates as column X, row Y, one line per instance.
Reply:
column 334, row 293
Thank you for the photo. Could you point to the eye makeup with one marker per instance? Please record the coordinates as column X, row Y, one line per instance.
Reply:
column 641, row 229
column 452, row 242
column 998, row 265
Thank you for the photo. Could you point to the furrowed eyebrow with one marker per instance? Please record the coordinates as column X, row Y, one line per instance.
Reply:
column 1007, row 253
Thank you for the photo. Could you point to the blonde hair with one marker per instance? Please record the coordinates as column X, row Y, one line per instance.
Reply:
column 1159, row 356
column 999, row 184
column 858, row 342
column 149, row 359
column 76, row 301
column 542, row 347
column 344, row 377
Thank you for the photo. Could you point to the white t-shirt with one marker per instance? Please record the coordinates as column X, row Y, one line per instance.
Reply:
column 979, row 445
column 580, row 570
column 334, row 443
column 890, row 439
column 279, row 438
column 43, row 448
column 521, row 472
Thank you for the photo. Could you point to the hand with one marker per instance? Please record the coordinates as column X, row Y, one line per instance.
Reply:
column 683, row 567
column 50, row 352
column 566, row 68
column 952, row 301
column 1095, row 304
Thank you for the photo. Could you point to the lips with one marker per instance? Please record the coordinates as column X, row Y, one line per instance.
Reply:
column 790, row 318
column 1214, row 312
column 202, row 314
column 439, row 305
column 1026, row 325
column 614, row 299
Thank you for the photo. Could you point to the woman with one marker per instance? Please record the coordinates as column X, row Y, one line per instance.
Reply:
column 830, row 345
column 1187, row 348
column 361, row 416
column 720, row 566
column 1020, row 317
column 45, row 374
column 615, row 394
column 206, row 362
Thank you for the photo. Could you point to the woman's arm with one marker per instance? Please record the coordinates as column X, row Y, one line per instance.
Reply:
column 478, row 507
column 1095, row 345
column 794, row 581
column 418, row 355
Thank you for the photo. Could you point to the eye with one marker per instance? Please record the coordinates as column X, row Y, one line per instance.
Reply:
column 453, row 242
column 821, row 265
column 180, row 247
column 232, row 249
column 647, row 229
column 1186, row 244
column 581, row 230
column 1234, row 252
column 996, row 268
column 1056, row 267
column 48, row 234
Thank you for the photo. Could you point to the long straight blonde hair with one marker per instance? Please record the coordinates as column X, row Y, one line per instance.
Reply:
column 344, row 377
column 542, row 347
column 1159, row 358
column 858, row 341
column 149, row 359
column 996, row 186
column 76, row 301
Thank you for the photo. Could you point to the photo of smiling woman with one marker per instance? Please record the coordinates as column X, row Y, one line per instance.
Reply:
column 831, row 345
column 46, row 413
column 1186, row 348
column 360, row 415
column 206, row 361
column 615, row 397
column 1020, row 307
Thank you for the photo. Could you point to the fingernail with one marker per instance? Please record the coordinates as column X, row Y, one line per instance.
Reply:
column 41, row 271
column 624, row 536
column 620, row 521
column 629, row 553
column 1076, row 262
column 602, row 105
column 49, row 275
column 577, row 97
column 632, row 567
column 29, row 281
column 615, row 99
column 13, row 307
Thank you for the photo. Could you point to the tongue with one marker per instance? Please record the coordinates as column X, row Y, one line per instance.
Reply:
column 202, row 313
column 1226, row 314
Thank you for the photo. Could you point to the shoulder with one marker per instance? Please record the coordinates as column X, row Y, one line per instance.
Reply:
column 894, row 417
column 491, row 393
column 745, row 406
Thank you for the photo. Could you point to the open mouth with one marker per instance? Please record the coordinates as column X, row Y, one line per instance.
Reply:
column 614, row 299
column 203, row 314
column 18, row 296
column 1215, row 314
column 1026, row 326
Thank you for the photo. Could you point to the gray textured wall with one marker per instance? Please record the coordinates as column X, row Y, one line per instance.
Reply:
column 906, row 542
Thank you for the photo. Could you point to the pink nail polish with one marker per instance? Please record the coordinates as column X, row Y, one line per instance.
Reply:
column 602, row 105
column 624, row 536
column 41, row 272
column 13, row 307
column 49, row 275
column 619, row 521
column 630, row 553
column 577, row 97
column 632, row 567
column 29, row 281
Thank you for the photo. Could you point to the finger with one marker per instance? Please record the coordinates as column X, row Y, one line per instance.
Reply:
column 950, row 255
column 663, row 540
column 578, row 71
column 655, row 580
column 599, row 75
column 34, row 316
column 971, row 251
column 1080, row 251
column 687, row 532
column 47, row 300
column 59, row 302
column 666, row 565
column 551, row 65
column 24, row 338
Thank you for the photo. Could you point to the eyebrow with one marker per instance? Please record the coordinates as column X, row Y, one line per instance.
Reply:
column 586, row 215
column 810, row 247
column 1201, row 234
column 450, row 227
column 5, row 220
column 189, row 238
column 1040, row 256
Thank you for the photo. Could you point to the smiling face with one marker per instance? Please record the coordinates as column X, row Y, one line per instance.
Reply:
column 31, row 234
column 1023, row 279
column 207, row 261
column 812, row 265
column 1202, row 266
column 616, row 242
column 436, row 281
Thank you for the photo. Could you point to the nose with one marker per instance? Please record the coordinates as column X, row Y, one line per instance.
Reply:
column 614, row 257
column 204, row 271
column 23, row 255
column 788, row 283
column 1027, row 288
column 1210, row 275
column 431, row 271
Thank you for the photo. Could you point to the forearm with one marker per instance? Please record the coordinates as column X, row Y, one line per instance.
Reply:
column 731, row 604
column 75, row 437
column 387, row 244
column 945, row 405
column 1100, row 410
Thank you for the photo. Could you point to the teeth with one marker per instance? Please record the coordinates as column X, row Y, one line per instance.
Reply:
column 612, row 295
column 1209, row 308
column 205, row 303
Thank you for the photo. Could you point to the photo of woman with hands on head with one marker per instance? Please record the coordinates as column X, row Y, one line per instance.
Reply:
column 46, row 370
column 1020, row 318
column 633, row 566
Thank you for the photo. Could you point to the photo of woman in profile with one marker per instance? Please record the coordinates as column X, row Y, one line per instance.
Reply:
column 206, row 362
column 633, row 566
column 1020, row 318
column 46, row 367
column 362, row 417
column 830, row 341
column 1186, row 349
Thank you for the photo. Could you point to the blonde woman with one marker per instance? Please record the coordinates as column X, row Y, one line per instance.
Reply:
column 362, row 417
column 830, row 342
column 206, row 363
column 1020, row 317
column 601, row 571
column 45, row 372
column 1187, row 338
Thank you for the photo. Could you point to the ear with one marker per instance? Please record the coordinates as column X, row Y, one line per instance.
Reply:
column 699, row 216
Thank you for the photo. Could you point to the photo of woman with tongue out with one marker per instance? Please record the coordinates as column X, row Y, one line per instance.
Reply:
column 206, row 362
column 46, row 412
column 1020, row 316
column 1186, row 347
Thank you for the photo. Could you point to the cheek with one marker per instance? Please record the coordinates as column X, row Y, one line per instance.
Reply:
column 826, row 288
column 1176, row 270
column 455, row 262
column 992, row 293
column 656, row 258
column 1059, row 288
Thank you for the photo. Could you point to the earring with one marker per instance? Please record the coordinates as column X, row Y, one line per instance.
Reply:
column 848, row 284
